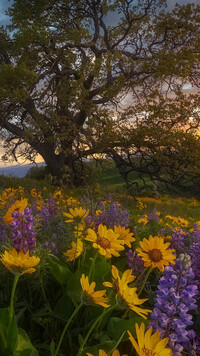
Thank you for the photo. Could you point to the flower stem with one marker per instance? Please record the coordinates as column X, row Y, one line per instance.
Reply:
column 92, row 265
column 140, row 276
column 43, row 293
column 66, row 326
column 12, row 296
column 118, row 342
column 77, row 225
column 146, row 277
column 92, row 328
column 12, row 300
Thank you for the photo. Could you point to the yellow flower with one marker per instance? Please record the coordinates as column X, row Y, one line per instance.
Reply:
column 103, row 353
column 89, row 295
column 125, row 235
column 6, row 195
column 33, row 192
column 98, row 212
column 75, row 251
column 149, row 345
column 107, row 201
column 58, row 197
column 193, row 203
column 154, row 252
column 21, row 190
column 19, row 206
column 127, row 298
column 72, row 201
column 167, row 238
column 39, row 204
column 57, row 194
column 106, row 241
column 19, row 262
column 76, row 215
column 79, row 229
column 198, row 225
column 140, row 205
column 126, row 278
column 151, row 200
column 143, row 220
column 178, row 220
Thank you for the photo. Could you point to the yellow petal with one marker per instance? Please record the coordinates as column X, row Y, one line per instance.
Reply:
column 133, row 342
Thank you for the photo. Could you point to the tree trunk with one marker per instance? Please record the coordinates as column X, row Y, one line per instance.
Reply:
column 60, row 165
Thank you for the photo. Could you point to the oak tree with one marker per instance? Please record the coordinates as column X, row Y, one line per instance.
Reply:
column 75, row 73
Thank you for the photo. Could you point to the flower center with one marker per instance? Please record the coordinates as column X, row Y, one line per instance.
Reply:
column 148, row 352
column 155, row 255
column 103, row 242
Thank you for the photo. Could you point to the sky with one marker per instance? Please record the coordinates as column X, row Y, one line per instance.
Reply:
column 4, row 20
column 4, row 4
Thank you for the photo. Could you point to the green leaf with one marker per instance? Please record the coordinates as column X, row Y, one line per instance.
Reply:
column 101, row 269
column 116, row 326
column 3, row 341
column 24, row 346
column 74, row 286
column 52, row 347
column 80, row 339
column 64, row 307
column 8, row 334
column 60, row 271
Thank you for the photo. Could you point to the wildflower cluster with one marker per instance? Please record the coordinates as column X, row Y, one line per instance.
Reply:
column 9, row 195
column 86, row 245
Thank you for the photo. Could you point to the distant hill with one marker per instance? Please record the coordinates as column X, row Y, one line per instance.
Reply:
column 19, row 171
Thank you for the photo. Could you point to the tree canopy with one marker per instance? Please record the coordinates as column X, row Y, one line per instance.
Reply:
column 90, row 77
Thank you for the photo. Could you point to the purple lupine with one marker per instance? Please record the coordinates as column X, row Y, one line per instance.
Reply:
column 194, row 252
column 166, row 231
column 52, row 206
column 153, row 216
column 122, row 218
column 175, row 298
column 48, row 211
column 50, row 245
column 135, row 262
column 34, row 207
column 110, row 216
column 2, row 231
column 44, row 215
column 195, row 235
column 109, row 197
column 23, row 234
column 178, row 240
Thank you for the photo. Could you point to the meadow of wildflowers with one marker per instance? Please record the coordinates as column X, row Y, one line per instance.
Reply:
column 89, row 276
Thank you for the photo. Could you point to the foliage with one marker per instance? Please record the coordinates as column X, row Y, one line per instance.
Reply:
column 67, row 72
column 37, row 173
